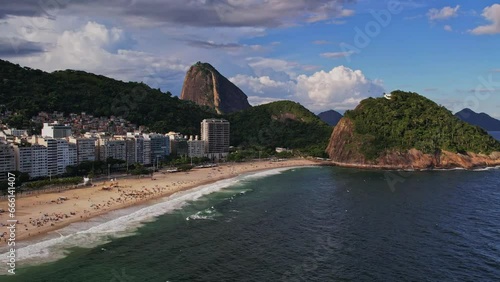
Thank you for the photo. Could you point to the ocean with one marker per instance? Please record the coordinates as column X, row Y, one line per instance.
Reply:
column 495, row 134
column 299, row 224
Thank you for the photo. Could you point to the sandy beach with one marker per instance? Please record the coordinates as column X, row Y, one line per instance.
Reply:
column 40, row 214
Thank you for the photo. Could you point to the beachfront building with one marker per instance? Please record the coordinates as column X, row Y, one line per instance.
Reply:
column 215, row 132
column 178, row 144
column 32, row 160
column 160, row 147
column 196, row 147
column 131, row 147
column 7, row 160
column 85, row 149
column 59, row 155
column 146, row 150
column 112, row 148
column 56, row 130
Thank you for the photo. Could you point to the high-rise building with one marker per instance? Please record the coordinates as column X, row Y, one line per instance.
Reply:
column 32, row 160
column 85, row 149
column 215, row 132
column 7, row 160
column 59, row 155
column 146, row 150
column 39, row 165
column 56, row 130
column 196, row 147
column 160, row 147
column 112, row 148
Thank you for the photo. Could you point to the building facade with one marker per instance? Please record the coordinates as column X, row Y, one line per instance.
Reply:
column 85, row 149
column 32, row 160
column 215, row 132
column 55, row 130
column 160, row 147
column 7, row 160
column 196, row 147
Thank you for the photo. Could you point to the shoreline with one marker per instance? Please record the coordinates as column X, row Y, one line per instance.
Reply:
column 409, row 168
column 39, row 215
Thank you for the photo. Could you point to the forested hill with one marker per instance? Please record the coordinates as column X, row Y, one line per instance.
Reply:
column 410, row 121
column 28, row 91
column 280, row 124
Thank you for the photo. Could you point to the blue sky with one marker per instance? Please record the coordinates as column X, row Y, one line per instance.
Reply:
column 323, row 54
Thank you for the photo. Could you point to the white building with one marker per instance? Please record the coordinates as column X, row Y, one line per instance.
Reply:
column 56, row 130
column 32, row 160
column 39, row 165
column 59, row 155
column 196, row 147
column 85, row 149
column 215, row 132
column 112, row 148
column 7, row 160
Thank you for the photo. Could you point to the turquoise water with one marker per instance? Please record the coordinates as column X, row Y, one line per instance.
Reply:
column 308, row 224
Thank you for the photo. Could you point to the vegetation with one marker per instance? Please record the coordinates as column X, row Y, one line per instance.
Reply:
column 279, row 124
column 28, row 91
column 58, row 181
column 409, row 120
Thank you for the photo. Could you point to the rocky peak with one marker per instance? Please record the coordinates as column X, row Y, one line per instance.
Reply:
column 205, row 86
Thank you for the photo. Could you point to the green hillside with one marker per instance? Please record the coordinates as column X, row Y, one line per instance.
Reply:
column 409, row 120
column 279, row 124
column 28, row 91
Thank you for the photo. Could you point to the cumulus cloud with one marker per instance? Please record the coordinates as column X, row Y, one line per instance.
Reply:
column 92, row 47
column 491, row 14
column 341, row 88
column 443, row 14
column 448, row 28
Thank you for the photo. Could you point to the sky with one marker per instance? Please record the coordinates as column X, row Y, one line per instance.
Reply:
column 323, row 54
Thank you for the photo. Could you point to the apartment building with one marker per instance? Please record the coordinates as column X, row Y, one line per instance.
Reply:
column 7, row 160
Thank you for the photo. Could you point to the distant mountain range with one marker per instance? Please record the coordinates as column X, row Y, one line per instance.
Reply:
column 331, row 117
column 480, row 119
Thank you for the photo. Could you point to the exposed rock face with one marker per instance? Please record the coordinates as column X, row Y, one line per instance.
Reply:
column 205, row 86
column 344, row 151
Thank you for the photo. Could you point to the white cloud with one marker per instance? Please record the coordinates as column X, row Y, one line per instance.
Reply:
column 337, row 54
column 443, row 14
column 491, row 14
column 277, row 69
column 261, row 84
column 448, row 28
column 340, row 88
column 93, row 48
column 257, row 100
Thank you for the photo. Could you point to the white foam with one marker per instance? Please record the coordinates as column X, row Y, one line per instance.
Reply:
column 117, row 223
